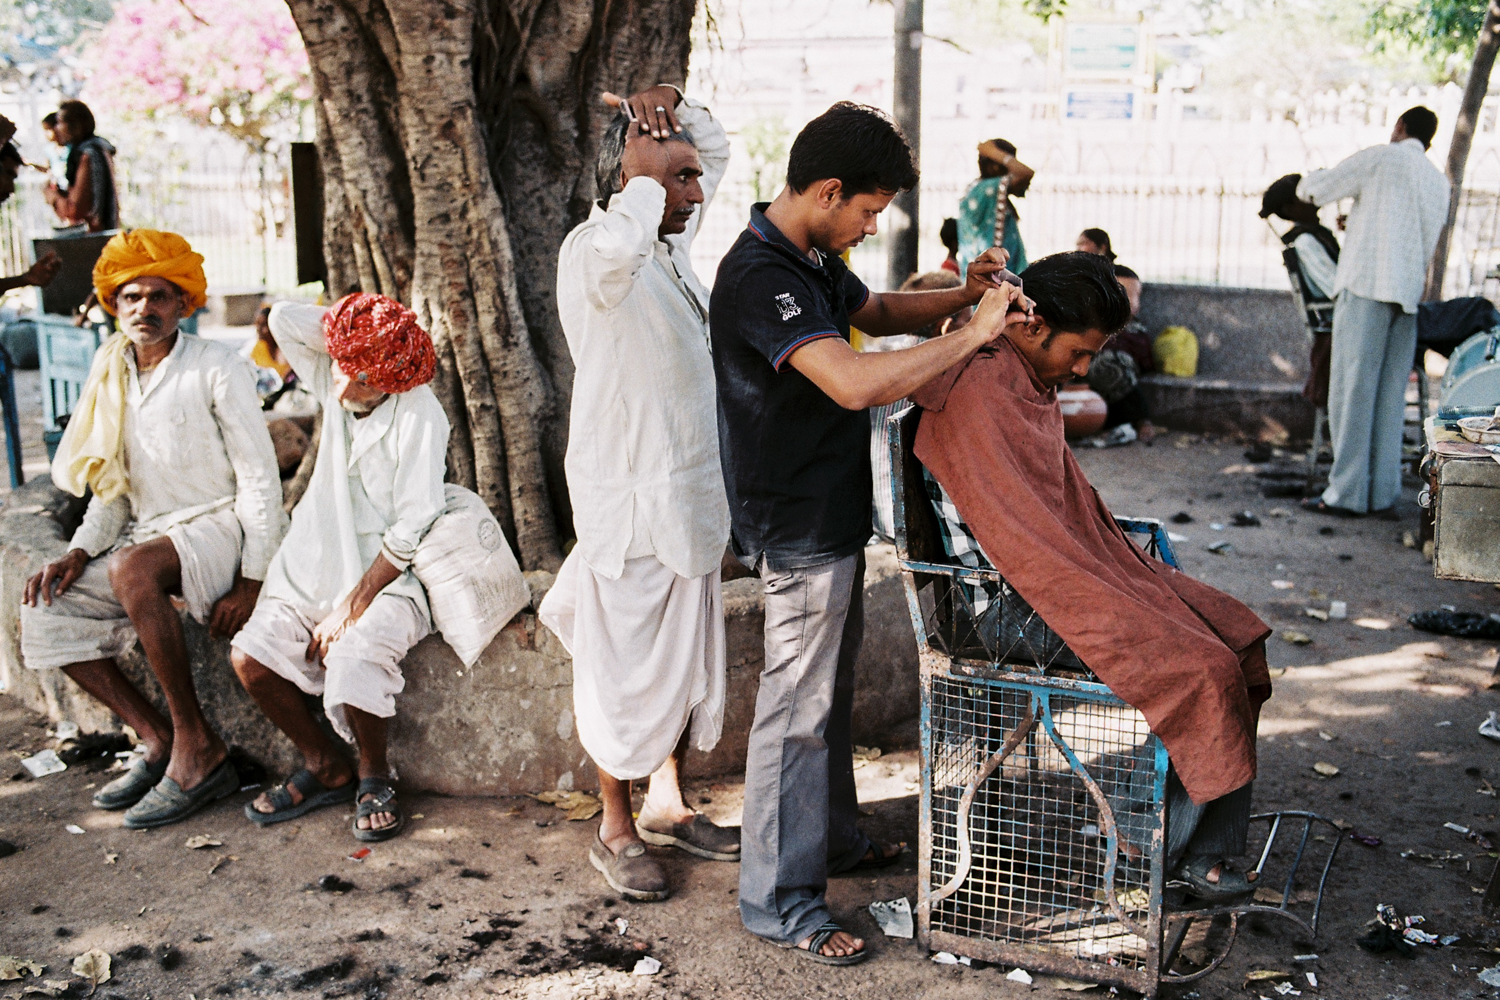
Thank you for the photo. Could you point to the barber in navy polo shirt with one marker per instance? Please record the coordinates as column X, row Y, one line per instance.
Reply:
column 794, row 443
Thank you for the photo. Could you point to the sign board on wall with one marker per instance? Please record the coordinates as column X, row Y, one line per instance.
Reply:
column 1102, row 50
column 1101, row 103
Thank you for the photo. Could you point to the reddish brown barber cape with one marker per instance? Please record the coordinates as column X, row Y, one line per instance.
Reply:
column 1190, row 658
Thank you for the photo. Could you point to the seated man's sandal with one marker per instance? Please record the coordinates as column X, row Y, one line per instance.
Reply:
column 382, row 800
column 128, row 789
column 315, row 795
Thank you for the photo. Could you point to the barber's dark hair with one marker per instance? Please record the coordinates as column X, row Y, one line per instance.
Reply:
column 1077, row 291
column 856, row 144
column 612, row 151
column 10, row 154
column 1421, row 124
column 1007, row 145
column 49, row 120
column 1100, row 239
column 77, row 113
column 948, row 235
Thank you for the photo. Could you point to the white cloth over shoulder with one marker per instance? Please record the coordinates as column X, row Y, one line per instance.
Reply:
column 377, row 487
column 195, row 443
column 1319, row 270
column 648, row 659
column 1400, row 205
column 643, row 449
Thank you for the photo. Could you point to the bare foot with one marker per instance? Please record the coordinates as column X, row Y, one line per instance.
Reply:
column 841, row 944
column 653, row 815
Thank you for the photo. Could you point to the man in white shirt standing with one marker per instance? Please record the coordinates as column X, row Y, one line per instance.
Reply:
column 168, row 433
column 341, row 606
column 1400, row 205
column 638, row 602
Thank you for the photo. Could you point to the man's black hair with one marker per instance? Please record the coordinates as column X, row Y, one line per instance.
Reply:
column 76, row 113
column 1076, row 292
column 1121, row 271
column 948, row 235
column 10, row 154
column 1281, row 193
column 49, row 120
column 855, row 144
column 1421, row 124
column 1100, row 239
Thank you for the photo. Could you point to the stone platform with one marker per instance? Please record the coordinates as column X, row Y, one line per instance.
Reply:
column 501, row 727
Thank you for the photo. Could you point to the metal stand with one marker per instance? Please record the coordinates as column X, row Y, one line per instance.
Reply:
column 12, row 417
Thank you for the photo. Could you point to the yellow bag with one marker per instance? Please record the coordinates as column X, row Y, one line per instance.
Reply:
column 1176, row 352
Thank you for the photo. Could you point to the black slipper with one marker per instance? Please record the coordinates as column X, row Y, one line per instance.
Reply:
column 383, row 801
column 814, row 950
column 867, row 863
column 1192, row 875
column 315, row 795
column 1315, row 505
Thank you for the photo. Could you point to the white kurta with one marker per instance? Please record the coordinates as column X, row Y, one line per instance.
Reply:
column 638, row 602
column 1400, row 205
column 377, row 486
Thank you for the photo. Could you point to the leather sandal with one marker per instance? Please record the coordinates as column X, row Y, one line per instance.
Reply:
column 698, row 836
column 820, row 937
column 168, row 803
column 128, row 789
column 631, row 872
column 382, row 800
column 1192, row 875
column 315, row 795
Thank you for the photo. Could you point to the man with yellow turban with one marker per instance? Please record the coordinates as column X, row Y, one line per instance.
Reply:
column 169, row 436
column 341, row 605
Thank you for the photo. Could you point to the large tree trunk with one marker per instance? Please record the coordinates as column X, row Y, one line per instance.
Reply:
column 444, row 127
column 1463, row 138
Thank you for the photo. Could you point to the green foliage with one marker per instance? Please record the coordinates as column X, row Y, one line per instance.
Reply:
column 1442, row 31
column 766, row 145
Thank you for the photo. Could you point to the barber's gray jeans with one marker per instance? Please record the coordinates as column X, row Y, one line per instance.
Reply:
column 1373, row 346
column 800, row 806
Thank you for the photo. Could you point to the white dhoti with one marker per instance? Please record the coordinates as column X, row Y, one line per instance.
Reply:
column 362, row 670
column 648, row 660
column 87, row 622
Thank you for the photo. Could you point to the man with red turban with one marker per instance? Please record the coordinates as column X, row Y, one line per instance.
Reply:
column 169, row 436
column 341, row 606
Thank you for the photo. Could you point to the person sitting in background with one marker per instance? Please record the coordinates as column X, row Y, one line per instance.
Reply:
column 89, row 198
column 948, row 234
column 45, row 269
column 880, row 459
column 1318, row 259
column 1009, row 494
column 1115, row 373
column 987, row 214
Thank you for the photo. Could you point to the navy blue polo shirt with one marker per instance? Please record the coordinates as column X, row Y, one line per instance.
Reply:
column 796, row 464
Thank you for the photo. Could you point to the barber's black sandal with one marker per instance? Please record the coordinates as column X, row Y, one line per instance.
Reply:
column 821, row 937
column 1192, row 875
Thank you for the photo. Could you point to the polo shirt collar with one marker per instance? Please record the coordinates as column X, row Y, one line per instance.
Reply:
column 769, row 234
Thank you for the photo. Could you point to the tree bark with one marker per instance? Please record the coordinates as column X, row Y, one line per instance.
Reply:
column 1475, row 90
column 457, row 139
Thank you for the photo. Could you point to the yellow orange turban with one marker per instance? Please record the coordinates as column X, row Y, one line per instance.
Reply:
column 150, row 253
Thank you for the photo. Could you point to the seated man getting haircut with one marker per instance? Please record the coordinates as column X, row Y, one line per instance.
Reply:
column 1009, row 494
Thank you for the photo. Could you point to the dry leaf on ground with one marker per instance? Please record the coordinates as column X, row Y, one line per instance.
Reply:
column 93, row 965
column 201, row 841
column 1265, row 975
column 1326, row 769
column 13, row 967
column 578, row 805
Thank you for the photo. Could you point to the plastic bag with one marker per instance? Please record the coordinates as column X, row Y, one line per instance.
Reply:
column 474, row 585
column 1176, row 352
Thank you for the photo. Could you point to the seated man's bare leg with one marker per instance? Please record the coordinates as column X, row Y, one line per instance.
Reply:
column 369, row 733
column 103, row 680
column 282, row 702
column 143, row 576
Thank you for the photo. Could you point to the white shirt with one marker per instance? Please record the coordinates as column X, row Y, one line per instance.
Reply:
column 643, row 446
column 377, row 486
column 1319, row 270
column 1400, row 205
column 195, row 441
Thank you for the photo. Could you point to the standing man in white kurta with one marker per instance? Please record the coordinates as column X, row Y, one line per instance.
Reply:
column 1400, row 205
column 169, row 436
column 341, row 606
column 638, row 603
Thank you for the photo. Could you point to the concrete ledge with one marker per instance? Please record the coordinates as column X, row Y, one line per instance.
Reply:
column 502, row 727
column 234, row 306
column 1263, row 410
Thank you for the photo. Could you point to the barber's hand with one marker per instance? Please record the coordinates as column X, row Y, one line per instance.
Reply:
column 55, row 578
column 999, row 308
column 44, row 270
column 988, row 271
column 232, row 611
column 654, row 109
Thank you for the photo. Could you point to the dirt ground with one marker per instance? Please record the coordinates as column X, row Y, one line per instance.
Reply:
column 494, row 897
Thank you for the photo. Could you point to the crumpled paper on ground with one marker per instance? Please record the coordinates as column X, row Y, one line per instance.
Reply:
column 894, row 917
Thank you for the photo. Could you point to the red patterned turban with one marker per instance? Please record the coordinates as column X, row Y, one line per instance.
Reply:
column 377, row 340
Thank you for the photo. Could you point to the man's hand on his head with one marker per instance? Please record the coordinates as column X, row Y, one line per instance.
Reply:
column 653, row 109
column 646, row 157
column 988, row 271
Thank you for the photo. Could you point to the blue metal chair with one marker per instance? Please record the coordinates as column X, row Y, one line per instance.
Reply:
column 1043, row 794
